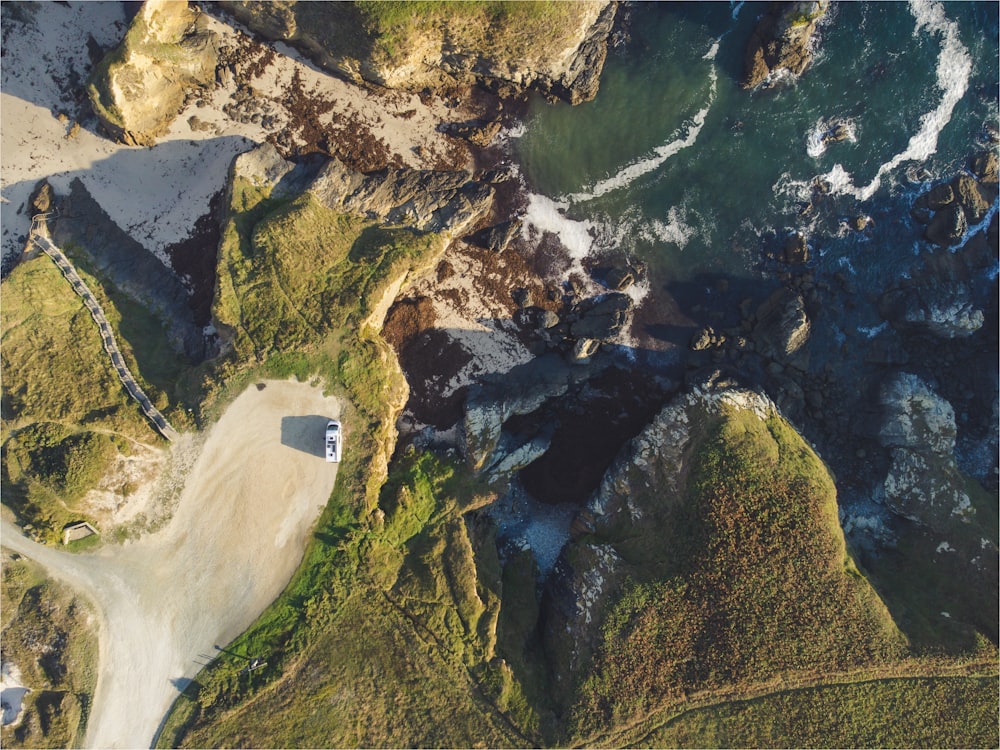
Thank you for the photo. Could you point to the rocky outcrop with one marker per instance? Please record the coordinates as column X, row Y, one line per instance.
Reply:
column 942, row 309
column 923, row 483
column 426, row 200
column 557, row 49
column 139, row 87
column 782, row 326
column 489, row 405
column 950, row 208
column 782, row 42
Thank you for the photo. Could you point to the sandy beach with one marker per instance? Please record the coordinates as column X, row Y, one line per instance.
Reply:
column 156, row 194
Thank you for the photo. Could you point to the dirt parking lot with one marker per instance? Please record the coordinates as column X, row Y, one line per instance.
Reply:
column 241, row 525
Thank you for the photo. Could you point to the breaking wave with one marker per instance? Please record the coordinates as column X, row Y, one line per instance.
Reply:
column 683, row 137
column 953, row 71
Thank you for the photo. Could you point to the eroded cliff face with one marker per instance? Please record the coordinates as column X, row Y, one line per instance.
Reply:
column 557, row 49
column 140, row 86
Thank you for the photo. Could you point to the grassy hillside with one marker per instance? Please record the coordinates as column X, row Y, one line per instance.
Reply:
column 744, row 580
column 398, row 643
column 494, row 28
column 48, row 633
column 65, row 415
column 904, row 712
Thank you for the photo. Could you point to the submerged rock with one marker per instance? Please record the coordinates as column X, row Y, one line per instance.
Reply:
column 948, row 226
column 942, row 309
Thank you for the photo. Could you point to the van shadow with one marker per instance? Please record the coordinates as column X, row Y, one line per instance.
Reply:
column 305, row 434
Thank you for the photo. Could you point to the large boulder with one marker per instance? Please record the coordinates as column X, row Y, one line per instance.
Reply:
column 557, row 49
column 948, row 226
column 782, row 327
column 601, row 318
column 918, row 426
column 782, row 41
column 139, row 87
column 942, row 309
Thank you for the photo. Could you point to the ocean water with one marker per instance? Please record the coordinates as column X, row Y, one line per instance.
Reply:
column 677, row 167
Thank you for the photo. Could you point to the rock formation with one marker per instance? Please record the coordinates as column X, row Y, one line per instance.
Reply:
column 923, row 483
column 782, row 327
column 424, row 200
column 558, row 50
column 950, row 208
column 139, row 87
column 941, row 308
column 782, row 41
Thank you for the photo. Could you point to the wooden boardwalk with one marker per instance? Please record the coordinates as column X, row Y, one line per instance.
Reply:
column 46, row 245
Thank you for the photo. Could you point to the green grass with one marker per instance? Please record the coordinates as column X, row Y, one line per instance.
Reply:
column 754, row 581
column 908, row 712
column 48, row 635
column 65, row 413
column 496, row 29
column 426, row 606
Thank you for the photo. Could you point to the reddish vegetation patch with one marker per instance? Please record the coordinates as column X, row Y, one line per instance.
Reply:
column 194, row 261
column 430, row 360
column 406, row 319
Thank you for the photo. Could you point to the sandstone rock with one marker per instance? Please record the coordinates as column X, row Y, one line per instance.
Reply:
column 138, row 88
column 477, row 132
column 939, row 196
column 782, row 41
column 498, row 237
column 620, row 279
column 984, row 166
column 583, row 350
column 561, row 55
column 969, row 196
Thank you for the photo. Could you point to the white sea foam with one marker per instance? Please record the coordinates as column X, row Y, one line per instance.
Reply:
column 675, row 229
column 712, row 52
column 871, row 332
column 953, row 71
column 844, row 262
column 737, row 7
column 546, row 215
column 816, row 143
column 682, row 138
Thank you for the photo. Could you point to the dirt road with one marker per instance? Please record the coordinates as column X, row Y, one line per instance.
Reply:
column 237, row 536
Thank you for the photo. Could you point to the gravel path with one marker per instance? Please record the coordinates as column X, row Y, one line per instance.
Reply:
column 238, row 534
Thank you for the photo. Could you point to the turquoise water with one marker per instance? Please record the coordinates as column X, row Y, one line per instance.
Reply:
column 678, row 167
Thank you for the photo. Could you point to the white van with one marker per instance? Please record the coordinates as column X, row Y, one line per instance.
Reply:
column 333, row 441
